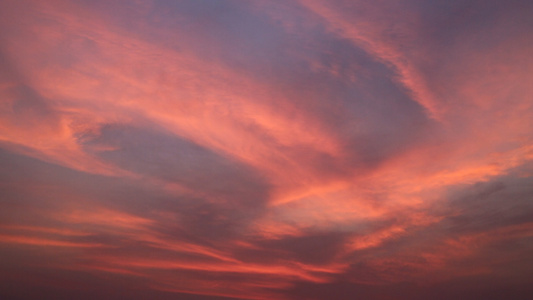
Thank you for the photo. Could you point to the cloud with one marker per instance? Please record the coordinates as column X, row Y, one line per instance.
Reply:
column 295, row 150
column 307, row 248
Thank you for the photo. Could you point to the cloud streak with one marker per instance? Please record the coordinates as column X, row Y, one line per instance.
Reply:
column 296, row 150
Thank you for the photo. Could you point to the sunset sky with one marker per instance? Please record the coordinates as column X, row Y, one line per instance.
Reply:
column 264, row 150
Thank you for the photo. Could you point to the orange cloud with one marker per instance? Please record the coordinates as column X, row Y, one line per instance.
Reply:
column 247, row 150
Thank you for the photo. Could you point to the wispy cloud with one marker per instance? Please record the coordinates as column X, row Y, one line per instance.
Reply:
column 295, row 150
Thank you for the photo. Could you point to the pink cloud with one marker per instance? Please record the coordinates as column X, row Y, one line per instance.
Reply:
column 265, row 150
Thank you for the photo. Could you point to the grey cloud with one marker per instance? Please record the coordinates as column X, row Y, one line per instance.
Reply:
column 171, row 158
column 27, row 108
column 53, row 284
column 228, row 193
column 502, row 202
column 232, row 195
column 475, row 287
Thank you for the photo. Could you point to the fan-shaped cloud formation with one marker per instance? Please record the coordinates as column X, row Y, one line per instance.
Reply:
column 266, row 150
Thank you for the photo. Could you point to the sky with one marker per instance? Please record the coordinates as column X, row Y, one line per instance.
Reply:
column 312, row 149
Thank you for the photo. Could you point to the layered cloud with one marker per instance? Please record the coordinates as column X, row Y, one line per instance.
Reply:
column 264, row 150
